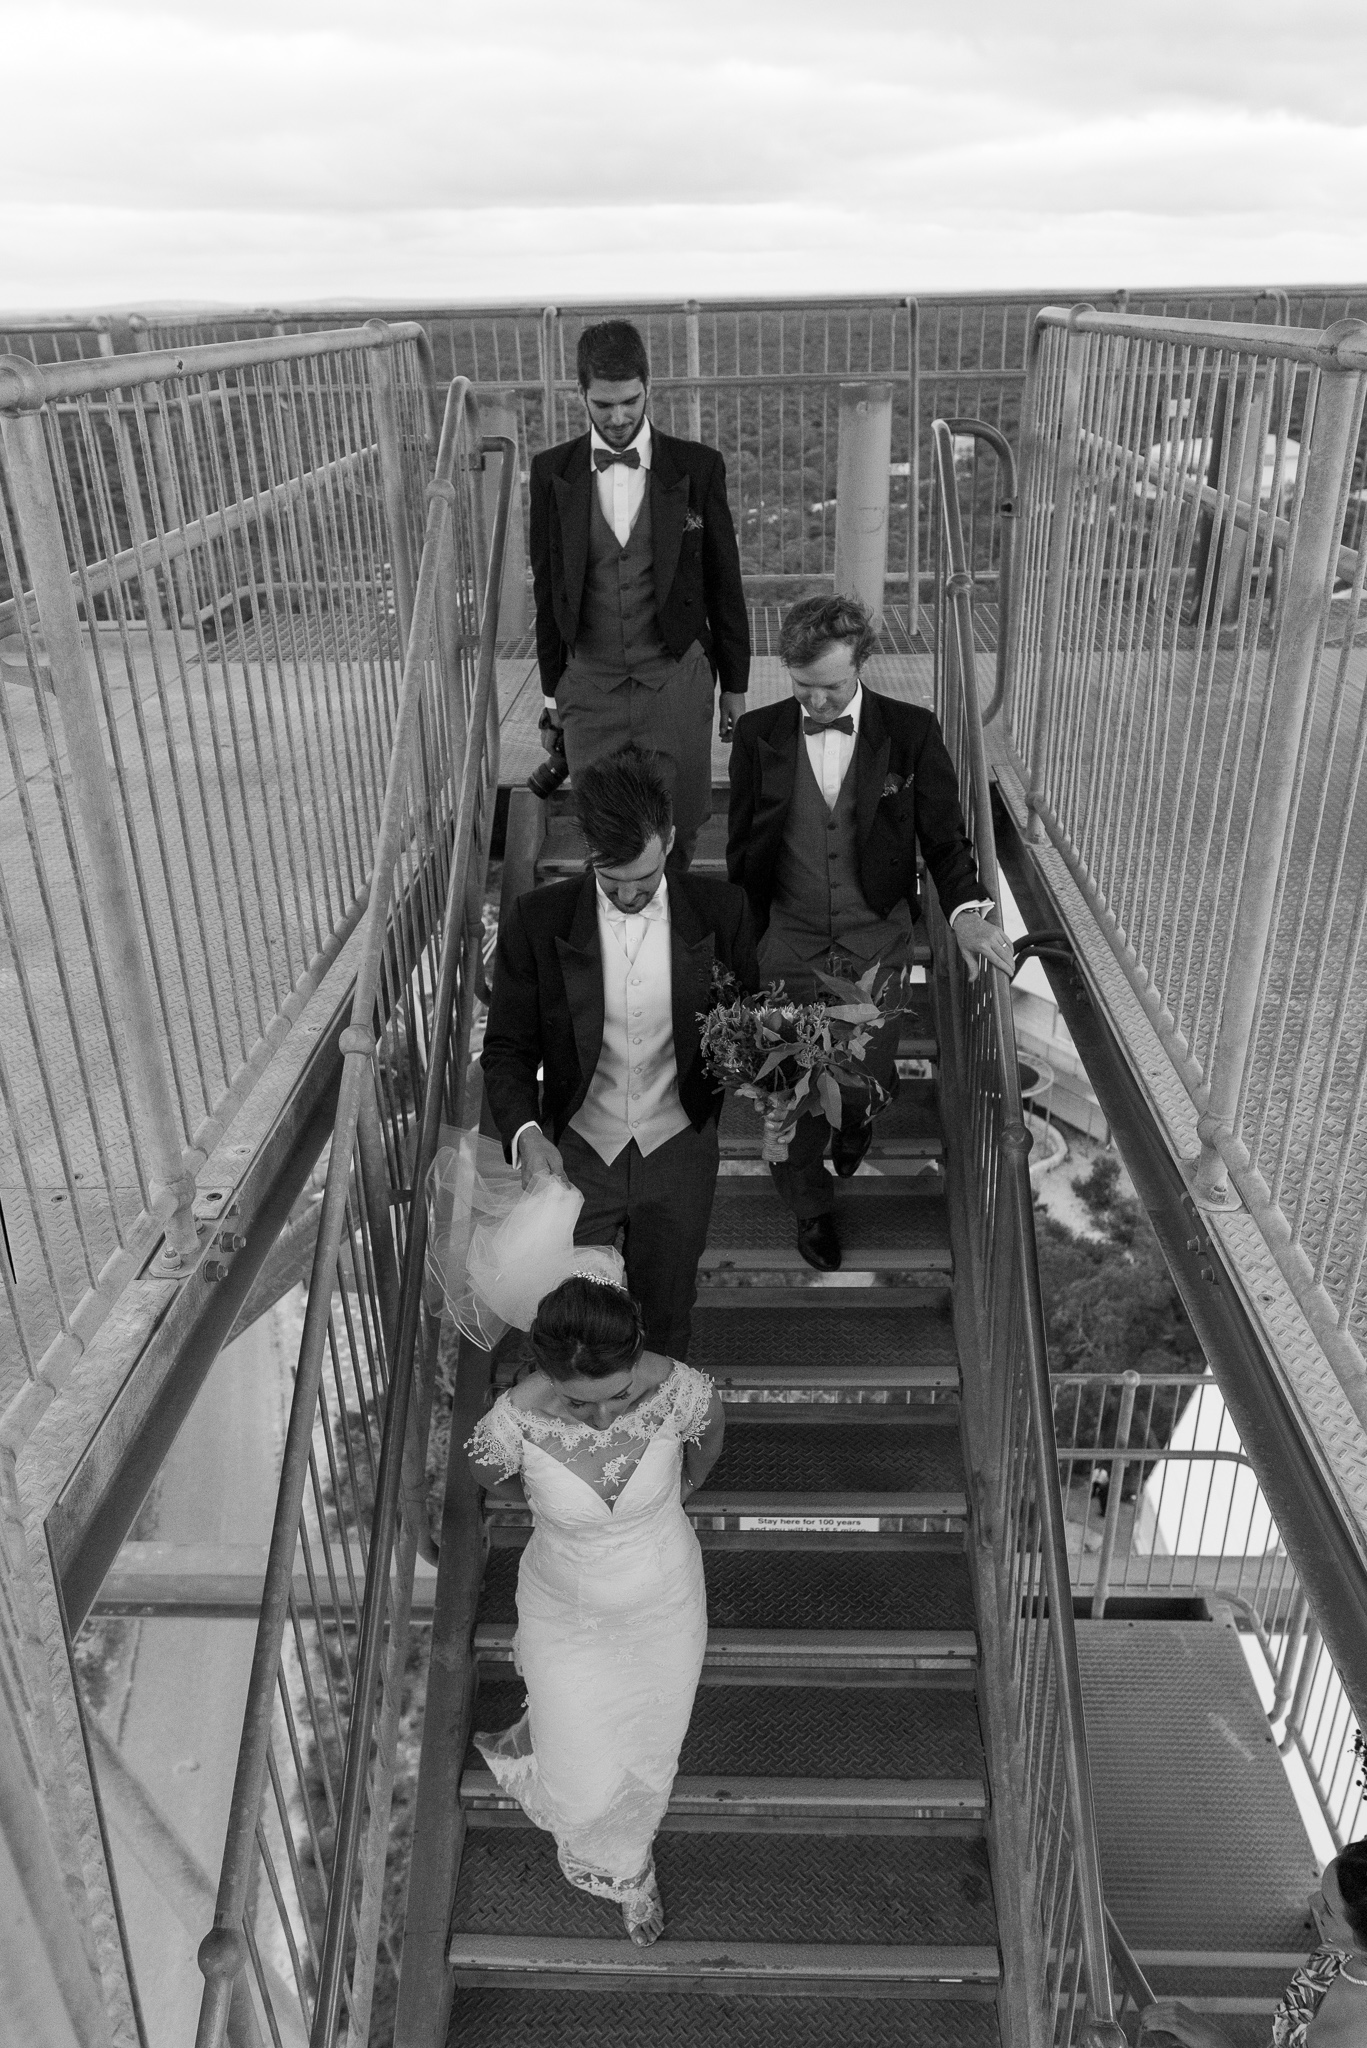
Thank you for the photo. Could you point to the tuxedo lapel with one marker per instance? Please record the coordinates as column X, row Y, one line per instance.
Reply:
column 777, row 757
column 581, row 964
column 668, row 510
column 692, row 949
column 574, row 504
column 872, row 753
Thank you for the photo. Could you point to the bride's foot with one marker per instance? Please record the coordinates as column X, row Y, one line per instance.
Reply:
column 644, row 1915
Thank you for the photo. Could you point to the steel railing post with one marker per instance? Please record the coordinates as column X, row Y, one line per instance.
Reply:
column 1295, row 1720
column 1119, row 1467
column 914, row 466
column 694, row 357
column 1293, row 1640
column 392, row 482
column 1060, row 531
column 1327, row 466
column 863, row 454
column 550, row 340
column 172, row 1193
column 498, row 419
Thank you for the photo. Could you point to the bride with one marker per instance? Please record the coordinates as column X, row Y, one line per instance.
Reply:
column 608, row 1440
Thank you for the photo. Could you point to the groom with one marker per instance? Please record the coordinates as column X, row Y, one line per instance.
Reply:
column 591, row 1061
column 639, row 604
column 832, row 791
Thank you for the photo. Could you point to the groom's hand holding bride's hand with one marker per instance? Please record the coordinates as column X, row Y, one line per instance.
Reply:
column 536, row 1155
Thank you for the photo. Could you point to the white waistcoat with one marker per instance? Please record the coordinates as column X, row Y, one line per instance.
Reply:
column 634, row 1092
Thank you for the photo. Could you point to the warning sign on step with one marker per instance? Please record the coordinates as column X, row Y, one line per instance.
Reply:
column 813, row 1525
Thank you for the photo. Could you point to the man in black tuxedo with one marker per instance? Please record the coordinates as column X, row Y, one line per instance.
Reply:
column 639, row 603
column 832, row 790
column 591, row 1061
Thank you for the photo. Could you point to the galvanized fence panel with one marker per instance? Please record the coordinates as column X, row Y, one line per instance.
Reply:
column 1049, row 1770
column 760, row 382
column 1163, row 1500
column 208, row 571
column 56, row 337
column 1187, row 703
column 307, row 1868
column 944, row 355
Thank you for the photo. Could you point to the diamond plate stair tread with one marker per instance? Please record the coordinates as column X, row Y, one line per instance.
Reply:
column 819, row 1336
column 891, row 1456
column 930, row 1891
column 805, row 1731
column 809, row 1589
column 482, row 2017
column 1202, row 1846
column 909, row 1124
column 871, row 1216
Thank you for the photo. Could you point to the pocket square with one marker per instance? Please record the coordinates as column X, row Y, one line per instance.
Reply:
column 692, row 521
column 893, row 785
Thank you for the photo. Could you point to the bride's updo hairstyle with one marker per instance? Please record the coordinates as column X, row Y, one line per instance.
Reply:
column 586, row 1330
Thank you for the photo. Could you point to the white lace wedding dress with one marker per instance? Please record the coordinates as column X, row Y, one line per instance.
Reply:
column 611, row 1629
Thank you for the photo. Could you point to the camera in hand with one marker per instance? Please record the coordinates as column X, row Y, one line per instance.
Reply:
column 545, row 780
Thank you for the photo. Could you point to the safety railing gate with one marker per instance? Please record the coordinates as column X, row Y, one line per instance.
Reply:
column 1163, row 1499
column 205, row 583
column 1187, row 716
column 299, row 1922
column 1050, row 1774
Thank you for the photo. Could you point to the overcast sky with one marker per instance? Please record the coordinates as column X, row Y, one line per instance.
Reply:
column 430, row 149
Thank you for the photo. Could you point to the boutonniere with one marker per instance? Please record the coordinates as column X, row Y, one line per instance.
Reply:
column 692, row 521
column 893, row 785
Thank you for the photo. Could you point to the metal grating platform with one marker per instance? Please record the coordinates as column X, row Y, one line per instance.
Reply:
column 485, row 2018
column 808, row 1589
column 928, row 1890
column 831, row 1457
column 805, row 1731
column 1201, row 1843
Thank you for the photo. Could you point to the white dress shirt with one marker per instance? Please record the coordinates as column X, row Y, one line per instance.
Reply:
column 831, row 753
column 634, row 1092
column 621, row 491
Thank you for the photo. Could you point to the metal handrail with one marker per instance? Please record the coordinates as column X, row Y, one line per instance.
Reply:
column 483, row 729
column 224, row 1951
column 1340, row 347
column 1006, row 507
column 1014, row 1146
column 19, row 392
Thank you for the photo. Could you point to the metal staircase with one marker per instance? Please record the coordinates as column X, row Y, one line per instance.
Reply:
column 825, row 1850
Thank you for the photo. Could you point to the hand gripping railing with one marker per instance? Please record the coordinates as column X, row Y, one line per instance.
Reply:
column 1050, row 1767
column 330, row 1656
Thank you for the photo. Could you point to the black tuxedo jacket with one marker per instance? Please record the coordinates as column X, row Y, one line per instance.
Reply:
column 547, row 1005
column 897, row 743
column 698, row 592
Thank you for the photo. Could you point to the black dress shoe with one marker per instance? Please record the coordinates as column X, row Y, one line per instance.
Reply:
column 849, row 1147
column 818, row 1243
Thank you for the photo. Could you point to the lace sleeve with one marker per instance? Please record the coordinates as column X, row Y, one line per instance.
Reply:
column 691, row 1397
column 497, row 1439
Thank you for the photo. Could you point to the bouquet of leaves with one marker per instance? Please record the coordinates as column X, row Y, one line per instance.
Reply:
column 794, row 1059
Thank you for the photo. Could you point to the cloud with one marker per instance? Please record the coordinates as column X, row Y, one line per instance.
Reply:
column 297, row 148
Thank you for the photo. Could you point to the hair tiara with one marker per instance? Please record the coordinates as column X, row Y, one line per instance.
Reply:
column 598, row 1279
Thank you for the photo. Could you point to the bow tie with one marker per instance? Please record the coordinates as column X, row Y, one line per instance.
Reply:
column 810, row 727
column 603, row 458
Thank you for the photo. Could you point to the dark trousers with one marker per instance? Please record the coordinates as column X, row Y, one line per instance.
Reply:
column 674, row 719
column 663, row 1201
column 802, row 1181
